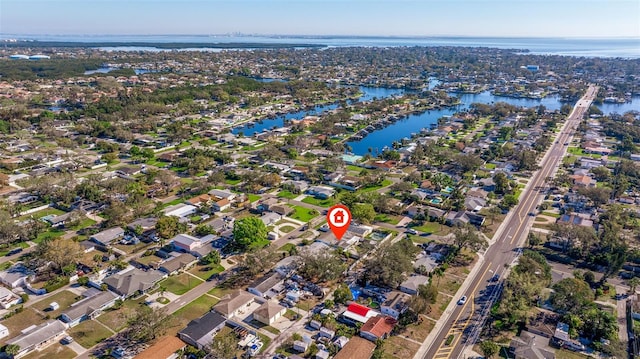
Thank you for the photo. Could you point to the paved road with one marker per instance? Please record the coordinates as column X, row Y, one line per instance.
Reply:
column 460, row 320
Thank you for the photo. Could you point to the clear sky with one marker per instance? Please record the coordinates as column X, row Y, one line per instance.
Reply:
column 505, row 18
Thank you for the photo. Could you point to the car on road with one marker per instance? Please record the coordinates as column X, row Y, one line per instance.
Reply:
column 495, row 278
column 462, row 300
column 412, row 231
column 532, row 214
column 14, row 251
column 67, row 340
column 566, row 143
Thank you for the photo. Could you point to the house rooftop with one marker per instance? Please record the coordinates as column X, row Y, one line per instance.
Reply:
column 89, row 305
column 38, row 334
column 356, row 348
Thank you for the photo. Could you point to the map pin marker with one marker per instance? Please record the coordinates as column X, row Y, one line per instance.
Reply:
column 339, row 219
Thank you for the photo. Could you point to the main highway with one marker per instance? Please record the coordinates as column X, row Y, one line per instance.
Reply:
column 460, row 323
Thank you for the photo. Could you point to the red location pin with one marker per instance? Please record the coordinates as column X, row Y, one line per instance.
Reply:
column 339, row 219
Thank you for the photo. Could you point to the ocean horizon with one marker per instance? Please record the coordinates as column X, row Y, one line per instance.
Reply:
column 620, row 47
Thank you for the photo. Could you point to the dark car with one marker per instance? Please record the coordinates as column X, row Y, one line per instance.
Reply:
column 495, row 278
column 14, row 251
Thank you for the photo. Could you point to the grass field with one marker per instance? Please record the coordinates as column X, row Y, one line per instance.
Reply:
column 19, row 321
column 89, row 333
column 287, row 194
column 253, row 197
column 117, row 319
column 204, row 272
column 320, row 202
column 57, row 351
column 180, row 284
column 303, row 214
column 195, row 309
column 64, row 299
column 220, row 292
column 384, row 183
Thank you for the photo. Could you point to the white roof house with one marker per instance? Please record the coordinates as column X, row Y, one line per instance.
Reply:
column 180, row 210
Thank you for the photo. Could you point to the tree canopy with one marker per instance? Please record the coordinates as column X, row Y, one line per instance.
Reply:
column 250, row 233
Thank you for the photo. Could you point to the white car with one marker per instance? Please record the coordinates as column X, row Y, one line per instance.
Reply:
column 462, row 300
column 412, row 231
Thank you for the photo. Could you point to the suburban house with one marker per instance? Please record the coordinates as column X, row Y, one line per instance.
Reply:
column 357, row 313
column 37, row 337
column 531, row 346
column 180, row 210
column 321, row 192
column 396, row 304
column 411, row 284
column 146, row 226
column 132, row 281
column 108, row 236
column 16, row 276
column 200, row 332
column 165, row 348
column 379, row 327
column 269, row 312
column 460, row 218
column 234, row 304
column 186, row 243
column 8, row 298
column 356, row 348
column 300, row 346
column 222, row 194
column 178, row 263
column 220, row 204
column 88, row 308
column 4, row 331
column 268, row 286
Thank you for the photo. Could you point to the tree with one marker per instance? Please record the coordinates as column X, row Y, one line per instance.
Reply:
column 61, row 252
column 468, row 237
column 202, row 230
column 250, row 233
column 597, row 195
column 342, row 294
column 212, row 258
column 169, row 226
column 388, row 266
column 508, row 201
column 571, row 295
column 502, row 183
column 321, row 266
column 147, row 324
column 12, row 349
column 489, row 348
column 223, row 346
column 363, row 212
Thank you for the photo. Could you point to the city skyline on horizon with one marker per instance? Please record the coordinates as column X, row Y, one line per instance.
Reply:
column 380, row 18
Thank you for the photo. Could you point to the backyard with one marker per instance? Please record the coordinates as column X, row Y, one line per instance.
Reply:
column 89, row 333
column 303, row 214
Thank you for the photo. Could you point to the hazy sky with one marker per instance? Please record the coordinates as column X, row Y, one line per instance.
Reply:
column 528, row 18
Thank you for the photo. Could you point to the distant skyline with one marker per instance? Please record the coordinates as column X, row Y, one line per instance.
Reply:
column 504, row 18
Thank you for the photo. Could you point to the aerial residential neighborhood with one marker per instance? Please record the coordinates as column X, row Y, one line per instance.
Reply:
column 176, row 204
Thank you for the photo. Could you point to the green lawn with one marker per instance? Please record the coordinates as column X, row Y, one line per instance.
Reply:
column 287, row 247
column 5, row 250
column 180, row 284
column 220, row 292
column 195, row 309
column 287, row 229
column 320, row 202
column 232, row 182
column 86, row 222
column 89, row 333
column 64, row 299
column 428, row 227
column 253, row 197
column 204, row 272
column 303, row 214
column 116, row 319
column 287, row 194
column 386, row 219
column 490, row 166
column 50, row 234
column 46, row 212
column 384, row 183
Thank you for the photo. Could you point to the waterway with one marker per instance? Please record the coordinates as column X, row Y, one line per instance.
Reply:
column 621, row 108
